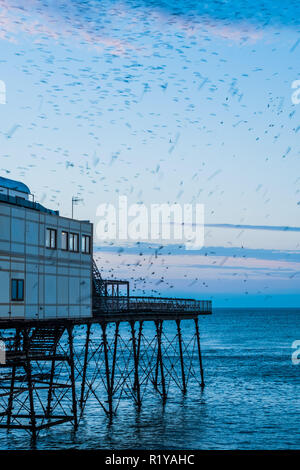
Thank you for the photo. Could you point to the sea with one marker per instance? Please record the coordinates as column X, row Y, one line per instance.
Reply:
column 251, row 398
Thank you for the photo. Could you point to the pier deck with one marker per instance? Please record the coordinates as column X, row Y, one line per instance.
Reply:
column 122, row 308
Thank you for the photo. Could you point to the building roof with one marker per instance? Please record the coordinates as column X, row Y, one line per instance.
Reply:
column 14, row 185
column 20, row 201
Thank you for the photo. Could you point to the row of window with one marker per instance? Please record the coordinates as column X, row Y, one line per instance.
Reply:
column 17, row 289
column 69, row 241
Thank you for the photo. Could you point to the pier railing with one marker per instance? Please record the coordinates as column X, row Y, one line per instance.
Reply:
column 136, row 304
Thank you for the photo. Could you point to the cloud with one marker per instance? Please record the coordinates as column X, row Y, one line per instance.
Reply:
column 113, row 25
column 32, row 18
column 260, row 13
column 215, row 261
column 276, row 228
column 205, row 26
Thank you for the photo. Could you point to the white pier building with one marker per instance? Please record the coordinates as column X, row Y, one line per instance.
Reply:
column 45, row 259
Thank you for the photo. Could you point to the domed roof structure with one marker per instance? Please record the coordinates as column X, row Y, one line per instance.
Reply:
column 14, row 185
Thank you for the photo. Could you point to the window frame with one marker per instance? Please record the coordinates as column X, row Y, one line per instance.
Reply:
column 85, row 238
column 67, row 239
column 17, row 297
column 50, row 229
column 74, row 236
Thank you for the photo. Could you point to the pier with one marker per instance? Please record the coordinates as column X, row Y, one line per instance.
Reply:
column 69, row 335
column 47, row 380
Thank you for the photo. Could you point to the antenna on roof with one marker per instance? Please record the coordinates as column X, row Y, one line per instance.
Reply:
column 75, row 201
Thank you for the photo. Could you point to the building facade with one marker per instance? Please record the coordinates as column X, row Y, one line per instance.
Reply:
column 45, row 259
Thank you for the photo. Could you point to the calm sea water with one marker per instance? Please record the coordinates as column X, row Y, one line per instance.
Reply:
column 251, row 399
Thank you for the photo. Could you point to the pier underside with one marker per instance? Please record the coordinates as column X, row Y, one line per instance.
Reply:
column 51, row 371
column 132, row 346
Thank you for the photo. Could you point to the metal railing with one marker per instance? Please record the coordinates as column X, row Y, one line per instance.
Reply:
column 135, row 304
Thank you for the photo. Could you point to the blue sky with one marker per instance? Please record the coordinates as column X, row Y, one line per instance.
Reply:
column 191, row 104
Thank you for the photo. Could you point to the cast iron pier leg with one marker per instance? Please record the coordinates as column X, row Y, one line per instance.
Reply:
column 159, row 324
column 107, row 373
column 12, row 383
column 136, row 385
column 181, row 356
column 27, row 367
column 48, row 409
column 86, row 352
column 139, row 340
column 50, row 391
column 199, row 352
column 112, row 381
column 72, row 376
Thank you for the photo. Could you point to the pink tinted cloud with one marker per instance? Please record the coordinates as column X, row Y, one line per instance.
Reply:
column 34, row 19
column 176, row 266
column 15, row 20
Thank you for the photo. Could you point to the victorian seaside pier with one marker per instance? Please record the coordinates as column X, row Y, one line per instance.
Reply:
column 67, row 334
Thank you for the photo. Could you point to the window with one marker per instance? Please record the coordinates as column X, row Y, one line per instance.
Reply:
column 50, row 238
column 64, row 240
column 85, row 244
column 73, row 242
column 17, row 289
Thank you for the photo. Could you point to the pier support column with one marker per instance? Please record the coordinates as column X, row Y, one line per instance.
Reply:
column 28, row 371
column 136, row 355
column 181, row 356
column 159, row 363
column 12, row 382
column 199, row 352
column 50, row 391
column 112, row 380
column 107, row 371
column 72, row 376
column 52, row 371
column 86, row 352
column 139, row 339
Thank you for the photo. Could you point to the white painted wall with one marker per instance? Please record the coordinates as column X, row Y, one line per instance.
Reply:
column 58, row 284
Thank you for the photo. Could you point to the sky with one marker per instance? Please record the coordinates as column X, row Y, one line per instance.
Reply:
column 164, row 102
